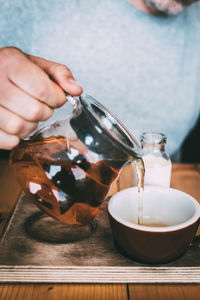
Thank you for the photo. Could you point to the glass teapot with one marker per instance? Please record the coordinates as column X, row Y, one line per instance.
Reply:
column 68, row 167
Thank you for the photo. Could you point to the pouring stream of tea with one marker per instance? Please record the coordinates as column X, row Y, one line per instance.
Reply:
column 139, row 165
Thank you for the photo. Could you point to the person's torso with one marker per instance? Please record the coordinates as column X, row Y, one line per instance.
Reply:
column 145, row 69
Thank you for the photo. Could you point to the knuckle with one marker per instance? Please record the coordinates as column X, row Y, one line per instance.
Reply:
column 7, row 54
column 41, row 93
column 48, row 113
column 15, row 125
column 35, row 112
column 45, row 113
column 59, row 99
column 58, row 69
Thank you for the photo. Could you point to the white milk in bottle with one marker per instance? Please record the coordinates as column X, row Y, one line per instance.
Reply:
column 157, row 170
column 156, row 160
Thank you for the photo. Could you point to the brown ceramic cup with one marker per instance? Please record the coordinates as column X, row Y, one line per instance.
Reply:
column 170, row 222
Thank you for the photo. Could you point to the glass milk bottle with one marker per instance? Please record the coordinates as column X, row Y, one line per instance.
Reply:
column 156, row 160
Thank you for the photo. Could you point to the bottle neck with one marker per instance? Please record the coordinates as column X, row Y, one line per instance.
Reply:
column 153, row 139
column 154, row 143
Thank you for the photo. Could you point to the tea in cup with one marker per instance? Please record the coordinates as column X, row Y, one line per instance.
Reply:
column 170, row 221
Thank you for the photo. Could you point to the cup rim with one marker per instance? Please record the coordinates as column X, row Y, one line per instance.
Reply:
column 169, row 228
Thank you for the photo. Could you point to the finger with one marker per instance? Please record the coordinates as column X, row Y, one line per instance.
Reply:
column 22, row 104
column 29, row 77
column 8, row 141
column 60, row 74
column 14, row 125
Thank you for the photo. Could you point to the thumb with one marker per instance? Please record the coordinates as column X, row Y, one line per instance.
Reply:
column 58, row 73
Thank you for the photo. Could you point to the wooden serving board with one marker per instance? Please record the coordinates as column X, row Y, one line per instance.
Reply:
column 36, row 248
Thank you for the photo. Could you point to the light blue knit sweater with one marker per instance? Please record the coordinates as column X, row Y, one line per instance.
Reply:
column 146, row 69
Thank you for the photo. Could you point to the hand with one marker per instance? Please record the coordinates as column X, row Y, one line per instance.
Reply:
column 30, row 88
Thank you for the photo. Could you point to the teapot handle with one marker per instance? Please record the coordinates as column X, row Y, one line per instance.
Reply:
column 72, row 100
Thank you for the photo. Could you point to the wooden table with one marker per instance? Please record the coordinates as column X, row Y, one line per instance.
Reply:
column 184, row 177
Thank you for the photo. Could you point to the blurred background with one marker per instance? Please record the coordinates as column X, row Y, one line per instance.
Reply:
column 191, row 146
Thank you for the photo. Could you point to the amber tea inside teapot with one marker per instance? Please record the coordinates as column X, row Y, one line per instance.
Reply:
column 68, row 167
